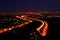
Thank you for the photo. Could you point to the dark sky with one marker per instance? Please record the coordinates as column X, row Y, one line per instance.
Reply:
column 30, row 5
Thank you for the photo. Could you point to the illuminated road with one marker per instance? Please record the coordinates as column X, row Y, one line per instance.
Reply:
column 42, row 29
column 13, row 27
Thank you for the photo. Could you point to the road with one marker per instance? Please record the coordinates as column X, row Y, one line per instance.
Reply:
column 43, row 26
column 42, row 29
column 3, row 30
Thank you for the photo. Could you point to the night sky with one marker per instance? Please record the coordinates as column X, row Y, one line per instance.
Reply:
column 30, row 5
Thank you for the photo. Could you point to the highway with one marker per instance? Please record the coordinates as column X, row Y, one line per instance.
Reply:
column 3, row 30
column 42, row 29
column 43, row 26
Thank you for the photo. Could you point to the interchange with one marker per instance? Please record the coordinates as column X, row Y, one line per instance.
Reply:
column 43, row 26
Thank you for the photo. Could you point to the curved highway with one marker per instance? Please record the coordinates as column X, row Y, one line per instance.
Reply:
column 43, row 26
column 42, row 29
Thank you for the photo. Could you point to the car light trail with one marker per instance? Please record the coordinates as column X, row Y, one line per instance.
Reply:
column 17, row 26
column 10, row 28
column 44, row 31
column 43, row 26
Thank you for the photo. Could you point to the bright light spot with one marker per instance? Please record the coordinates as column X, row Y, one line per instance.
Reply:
column 9, row 28
column 22, row 16
column 17, row 16
column 29, row 20
column 5, row 29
